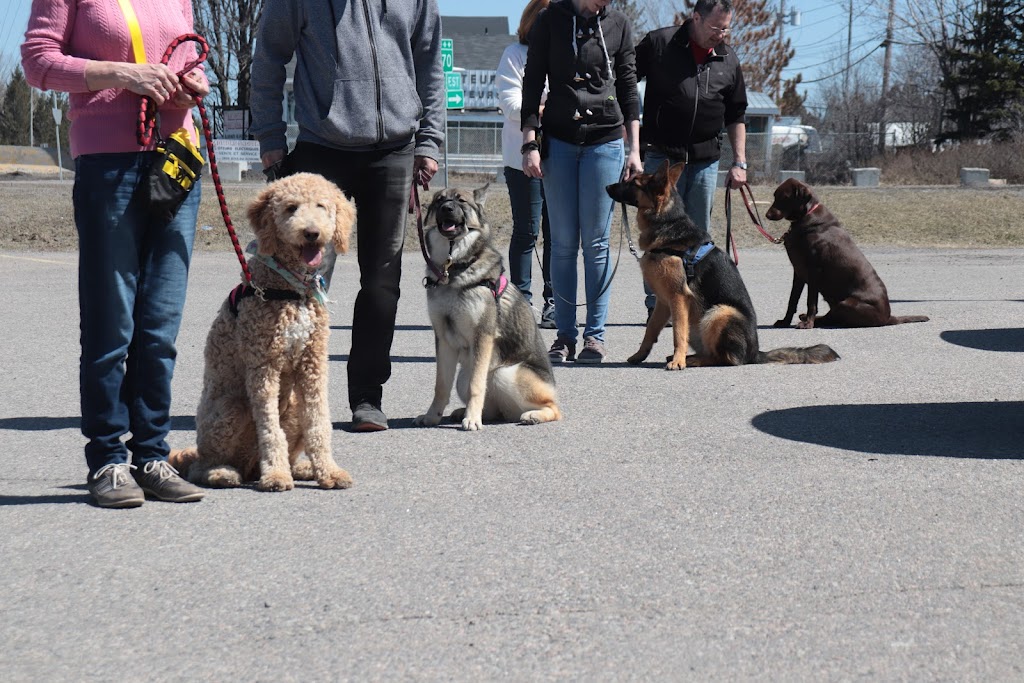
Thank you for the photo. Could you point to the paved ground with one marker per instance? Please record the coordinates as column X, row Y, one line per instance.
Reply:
column 859, row 519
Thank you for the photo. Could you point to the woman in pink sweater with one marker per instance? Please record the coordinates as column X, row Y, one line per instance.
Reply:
column 133, row 269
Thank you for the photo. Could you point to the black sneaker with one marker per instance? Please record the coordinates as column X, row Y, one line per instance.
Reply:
column 113, row 487
column 547, row 315
column 593, row 351
column 562, row 351
column 367, row 417
column 160, row 480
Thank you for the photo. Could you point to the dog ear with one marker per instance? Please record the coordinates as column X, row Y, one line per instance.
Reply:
column 261, row 220
column 675, row 171
column 344, row 219
column 480, row 195
column 428, row 218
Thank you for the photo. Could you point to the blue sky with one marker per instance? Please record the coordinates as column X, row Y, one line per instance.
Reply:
column 819, row 39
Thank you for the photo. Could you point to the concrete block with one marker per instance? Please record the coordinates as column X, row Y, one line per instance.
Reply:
column 865, row 177
column 973, row 177
column 231, row 171
column 786, row 175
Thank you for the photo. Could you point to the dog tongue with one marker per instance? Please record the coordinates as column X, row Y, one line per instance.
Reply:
column 448, row 227
column 312, row 255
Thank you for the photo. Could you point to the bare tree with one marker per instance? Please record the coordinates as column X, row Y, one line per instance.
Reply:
column 755, row 40
column 229, row 26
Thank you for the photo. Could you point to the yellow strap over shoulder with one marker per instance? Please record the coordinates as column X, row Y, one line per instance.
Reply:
column 135, row 30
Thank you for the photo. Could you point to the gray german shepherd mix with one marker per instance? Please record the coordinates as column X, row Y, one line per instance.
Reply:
column 481, row 322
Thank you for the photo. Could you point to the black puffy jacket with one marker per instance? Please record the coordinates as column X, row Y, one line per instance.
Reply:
column 592, row 88
column 686, row 107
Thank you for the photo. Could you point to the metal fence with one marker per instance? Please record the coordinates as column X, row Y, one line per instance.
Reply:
column 474, row 146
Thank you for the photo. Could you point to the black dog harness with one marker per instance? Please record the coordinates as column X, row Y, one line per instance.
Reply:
column 246, row 290
column 690, row 257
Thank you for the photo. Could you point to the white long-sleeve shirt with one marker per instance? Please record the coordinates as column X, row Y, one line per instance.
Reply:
column 509, row 80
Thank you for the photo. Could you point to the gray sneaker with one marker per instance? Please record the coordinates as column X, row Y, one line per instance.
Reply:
column 368, row 417
column 593, row 351
column 562, row 351
column 113, row 487
column 163, row 482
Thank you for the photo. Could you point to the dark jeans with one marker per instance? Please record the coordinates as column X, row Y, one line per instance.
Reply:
column 132, row 276
column 529, row 218
column 378, row 182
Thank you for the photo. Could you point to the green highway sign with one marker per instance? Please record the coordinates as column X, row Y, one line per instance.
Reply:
column 447, row 54
column 452, row 81
column 456, row 99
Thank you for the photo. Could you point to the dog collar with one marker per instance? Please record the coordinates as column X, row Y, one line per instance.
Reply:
column 312, row 284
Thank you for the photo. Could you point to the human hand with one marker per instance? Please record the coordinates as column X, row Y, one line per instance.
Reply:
column 633, row 165
column 737, row 177
column 423, row 169
column 155, row 81
column 531, row 164
column 191, row 86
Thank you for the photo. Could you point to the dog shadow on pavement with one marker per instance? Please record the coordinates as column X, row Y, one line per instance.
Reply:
column 950, row 430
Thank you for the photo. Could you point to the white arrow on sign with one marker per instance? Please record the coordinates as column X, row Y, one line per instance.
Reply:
column 456, row 99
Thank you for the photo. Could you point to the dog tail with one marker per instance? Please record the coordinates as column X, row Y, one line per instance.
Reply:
column 182, row 458
column 900, row 319
column 789, row 355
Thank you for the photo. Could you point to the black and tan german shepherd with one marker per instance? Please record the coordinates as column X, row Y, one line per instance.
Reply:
column 696, row 284
column 481, row 322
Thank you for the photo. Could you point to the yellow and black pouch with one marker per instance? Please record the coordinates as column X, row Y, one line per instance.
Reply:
column 174, row 173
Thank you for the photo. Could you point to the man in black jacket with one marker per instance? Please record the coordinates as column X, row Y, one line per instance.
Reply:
column 694, row 90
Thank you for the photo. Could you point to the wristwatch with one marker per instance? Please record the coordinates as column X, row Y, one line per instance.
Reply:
column 740, row 164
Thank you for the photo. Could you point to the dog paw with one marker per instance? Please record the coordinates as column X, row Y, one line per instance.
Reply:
column 276, row 481
column 637, row 358
column 336, row 479
column 676, row 364
column 805, row 324
column 781, row 323
column 302, row 470
column 427, row 420
column 472, row 424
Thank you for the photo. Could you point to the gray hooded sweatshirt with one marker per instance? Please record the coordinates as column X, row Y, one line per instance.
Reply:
column 367, row 75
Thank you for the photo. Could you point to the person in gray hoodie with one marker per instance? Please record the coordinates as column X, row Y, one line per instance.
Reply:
column 369, row 104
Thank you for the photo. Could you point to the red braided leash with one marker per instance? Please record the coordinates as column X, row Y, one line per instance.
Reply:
column 149, row 124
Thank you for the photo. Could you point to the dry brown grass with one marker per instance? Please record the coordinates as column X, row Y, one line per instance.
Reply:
column 38, row 216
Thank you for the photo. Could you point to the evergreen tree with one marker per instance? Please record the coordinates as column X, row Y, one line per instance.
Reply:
column 754, row 36
column 986, row 78
column 45, row 128
column 792, row 102
column 14, row 117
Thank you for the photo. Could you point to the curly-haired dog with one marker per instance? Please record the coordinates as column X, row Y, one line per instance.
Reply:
column 482, row 323
column 264, row 397
column 696, row 284
column 826, row 259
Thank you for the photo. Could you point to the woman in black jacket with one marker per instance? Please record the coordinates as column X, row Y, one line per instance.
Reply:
column 585, row 52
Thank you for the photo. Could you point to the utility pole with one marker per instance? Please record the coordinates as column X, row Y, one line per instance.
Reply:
column 782, row 45
column 849, row 42
column 886, row 66
column 31, row 117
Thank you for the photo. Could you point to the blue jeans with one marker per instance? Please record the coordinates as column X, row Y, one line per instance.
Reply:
column 132, row 276
column 697, row 188
column 581, row 213
column 529, row 219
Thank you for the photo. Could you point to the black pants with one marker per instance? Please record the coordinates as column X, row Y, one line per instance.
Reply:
column 378, row 182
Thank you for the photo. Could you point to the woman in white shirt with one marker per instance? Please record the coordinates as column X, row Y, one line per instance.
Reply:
column 529, row 211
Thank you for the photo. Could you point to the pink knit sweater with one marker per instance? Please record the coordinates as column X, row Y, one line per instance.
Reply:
column 63, row 35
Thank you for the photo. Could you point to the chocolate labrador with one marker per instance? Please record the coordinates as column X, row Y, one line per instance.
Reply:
column 825, row 258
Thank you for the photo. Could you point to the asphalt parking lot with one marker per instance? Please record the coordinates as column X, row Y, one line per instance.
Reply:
column 856, row 519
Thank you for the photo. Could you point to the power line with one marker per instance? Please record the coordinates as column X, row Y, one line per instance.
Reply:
column 869, row 41
column 840, row 72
